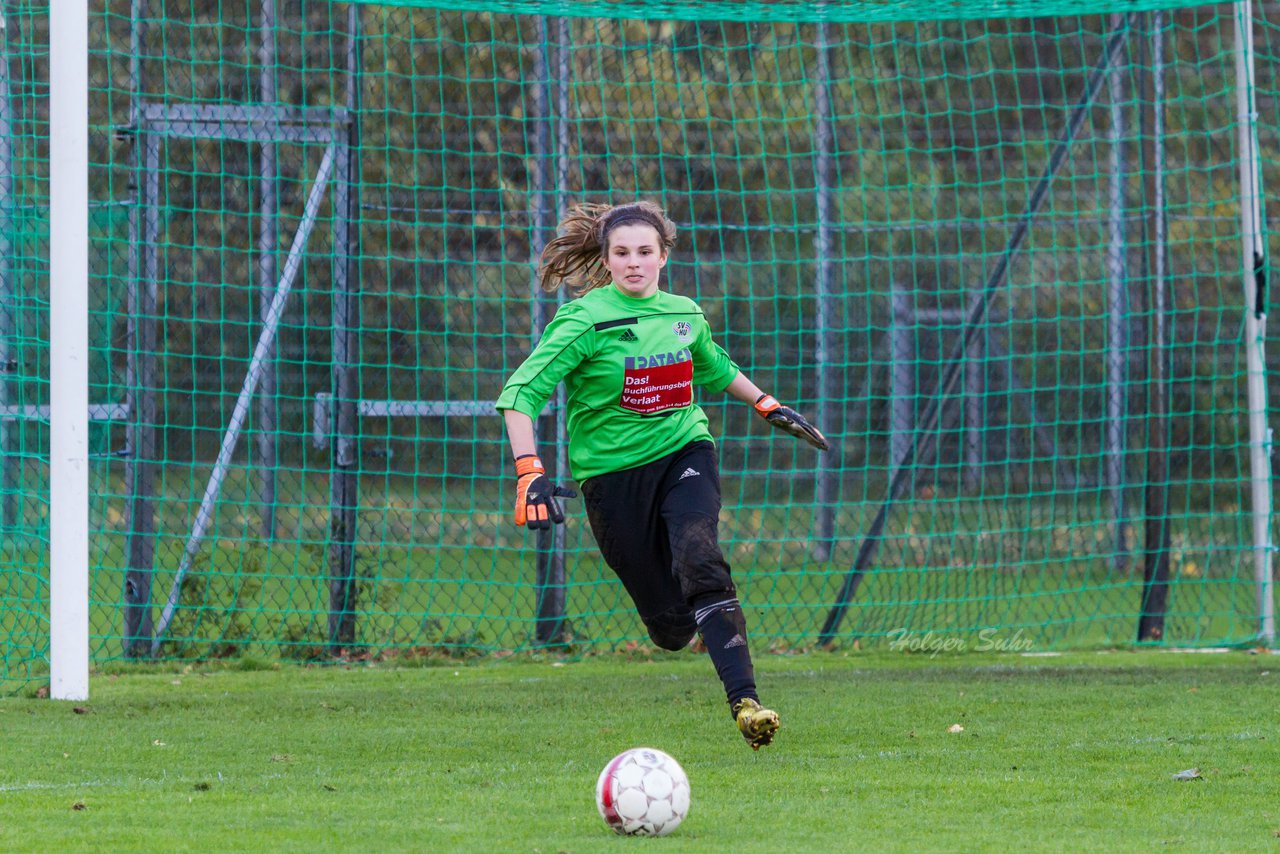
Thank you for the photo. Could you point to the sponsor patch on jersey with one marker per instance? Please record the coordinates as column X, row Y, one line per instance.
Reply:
column 657, row 387
column 655, row 359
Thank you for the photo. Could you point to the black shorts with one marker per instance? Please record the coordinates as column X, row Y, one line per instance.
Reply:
column 657, row 527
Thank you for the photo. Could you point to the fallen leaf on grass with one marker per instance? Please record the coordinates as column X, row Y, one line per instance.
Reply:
column 1189, row 774
column 955, row 728
column 79, row 806
column 80, row 710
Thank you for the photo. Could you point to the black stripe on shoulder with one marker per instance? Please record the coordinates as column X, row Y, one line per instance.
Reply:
column 622, row 321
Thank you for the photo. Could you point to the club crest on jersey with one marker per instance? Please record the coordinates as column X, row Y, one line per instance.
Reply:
column 682, row 328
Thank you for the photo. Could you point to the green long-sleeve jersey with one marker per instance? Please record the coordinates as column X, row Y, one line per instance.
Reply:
column 629, row 366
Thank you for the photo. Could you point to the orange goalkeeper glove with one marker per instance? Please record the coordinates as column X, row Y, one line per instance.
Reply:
column 536, row 495
column 788, row 420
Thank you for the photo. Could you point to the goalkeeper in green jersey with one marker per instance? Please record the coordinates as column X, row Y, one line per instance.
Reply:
column 629, row 355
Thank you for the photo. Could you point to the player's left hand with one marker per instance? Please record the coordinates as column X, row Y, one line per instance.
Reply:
column 788, row 420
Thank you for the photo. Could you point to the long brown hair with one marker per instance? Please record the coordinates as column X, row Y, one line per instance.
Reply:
column 574, row 256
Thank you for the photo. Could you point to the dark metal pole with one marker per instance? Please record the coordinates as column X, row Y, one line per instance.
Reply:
column 825, row 337
column 268, row 223
column 971, row 423
column 140, row 357
column 9, row 512
column 557, row 575
column 924, row 432
column 1117, row 321
column 549, row 572
column 344, row 474
column 902, row 387
column 143, row 414
column 1155, row 588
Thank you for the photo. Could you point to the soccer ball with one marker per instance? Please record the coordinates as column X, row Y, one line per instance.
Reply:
column 643, row 792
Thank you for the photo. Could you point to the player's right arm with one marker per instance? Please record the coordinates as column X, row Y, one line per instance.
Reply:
column 520, row 433
column 564, row 344
column 536, row 495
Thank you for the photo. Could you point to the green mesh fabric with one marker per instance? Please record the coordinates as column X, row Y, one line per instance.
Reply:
column 312, row 259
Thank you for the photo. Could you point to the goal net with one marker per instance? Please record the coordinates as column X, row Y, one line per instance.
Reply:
column 1013, row 266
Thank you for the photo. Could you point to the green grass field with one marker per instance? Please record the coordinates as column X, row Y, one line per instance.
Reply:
column 1076, row 752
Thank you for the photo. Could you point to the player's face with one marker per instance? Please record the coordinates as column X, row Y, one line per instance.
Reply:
column 635, row 257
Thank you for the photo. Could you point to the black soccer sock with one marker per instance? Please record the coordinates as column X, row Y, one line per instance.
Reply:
column 724, row 632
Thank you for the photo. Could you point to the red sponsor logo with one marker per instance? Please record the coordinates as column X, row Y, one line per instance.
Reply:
column 657, row 388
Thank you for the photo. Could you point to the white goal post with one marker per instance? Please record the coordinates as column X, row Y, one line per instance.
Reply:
column 69, row 350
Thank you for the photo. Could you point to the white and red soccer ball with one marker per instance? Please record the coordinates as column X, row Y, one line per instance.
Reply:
column 643, row 792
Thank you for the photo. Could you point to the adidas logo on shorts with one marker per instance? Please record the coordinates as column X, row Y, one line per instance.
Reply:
column 628, row 336
column 689, row 472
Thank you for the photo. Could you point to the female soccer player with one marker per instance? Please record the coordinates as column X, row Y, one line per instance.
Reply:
column 629, row 355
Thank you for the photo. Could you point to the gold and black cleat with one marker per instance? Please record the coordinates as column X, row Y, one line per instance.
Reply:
column 756, row 724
